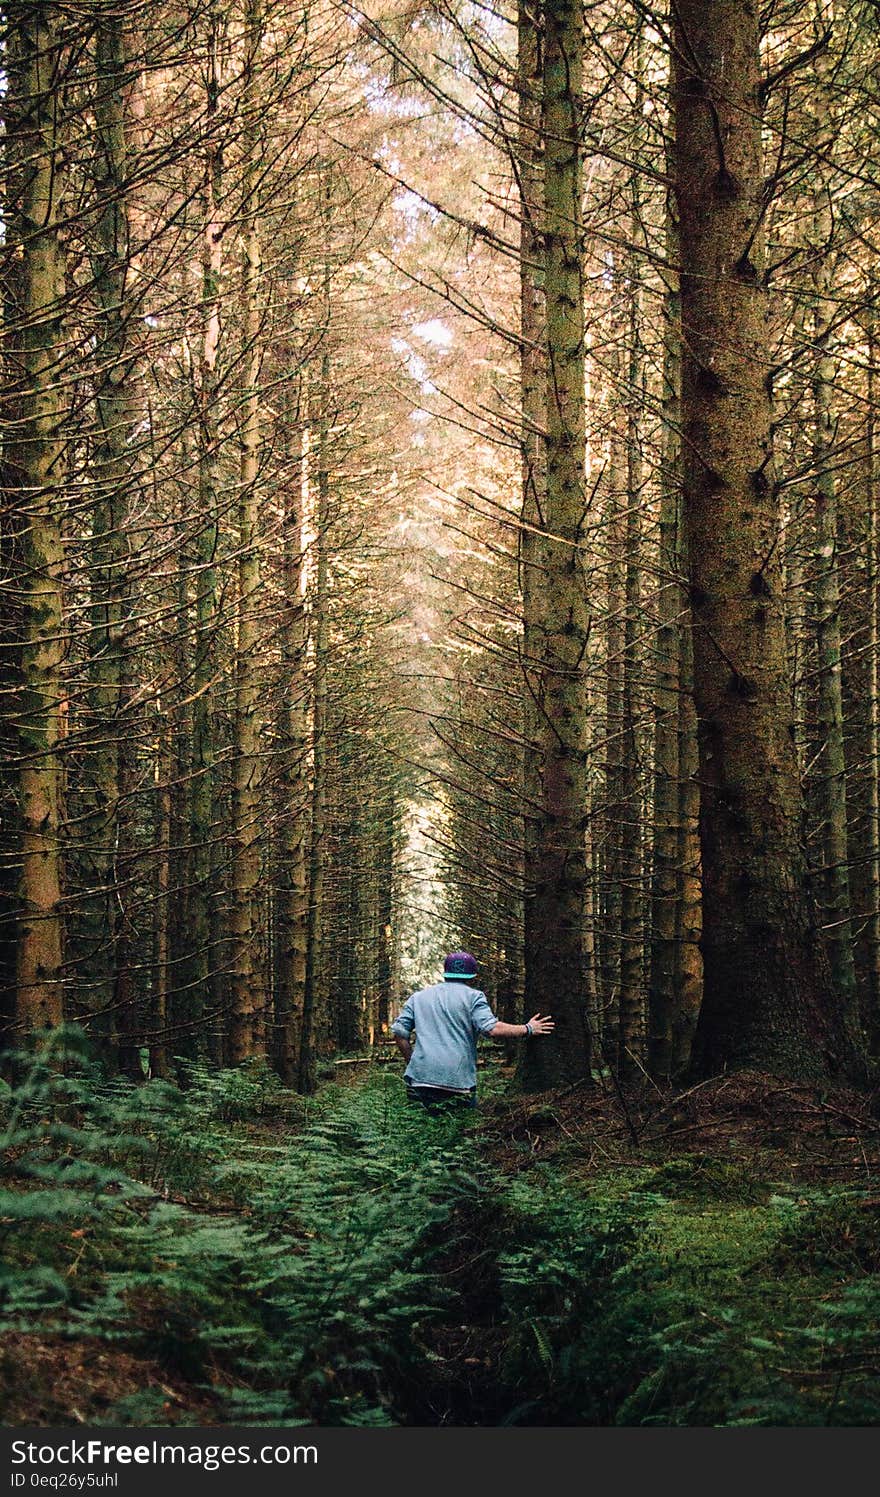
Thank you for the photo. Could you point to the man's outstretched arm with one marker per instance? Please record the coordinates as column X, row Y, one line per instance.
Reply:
column 536, row 1025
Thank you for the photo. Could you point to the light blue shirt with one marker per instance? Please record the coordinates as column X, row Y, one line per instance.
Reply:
column 447, row 1019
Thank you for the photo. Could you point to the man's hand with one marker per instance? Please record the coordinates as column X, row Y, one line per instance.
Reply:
column 404, row 1047
column 538, row 1024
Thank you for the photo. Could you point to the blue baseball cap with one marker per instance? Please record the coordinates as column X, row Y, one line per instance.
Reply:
column 459, row 966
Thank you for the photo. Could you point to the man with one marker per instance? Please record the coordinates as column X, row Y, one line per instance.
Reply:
column 447, row 1018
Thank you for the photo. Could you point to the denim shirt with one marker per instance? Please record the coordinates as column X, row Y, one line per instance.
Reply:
column 447, row 1019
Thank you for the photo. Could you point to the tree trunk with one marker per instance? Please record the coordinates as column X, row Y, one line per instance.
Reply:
column 767, row 991
column 184, row 1005
column 202, row 803
column 832, row 883
column 872, row 840
column 12, row 477
column 615, row 749
column 555, row 955
column 533, row 398
column 292, row 901
column 307, row 1079
column 689, row 903
column 248, row 987
column 110, row 562
column 663, row 991
column 632, row 1012
column 385, row 912
column 161, row 896
column 40, row 973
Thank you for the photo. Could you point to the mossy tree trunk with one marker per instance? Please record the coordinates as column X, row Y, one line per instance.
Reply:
column 556, row 956
column 533, row 398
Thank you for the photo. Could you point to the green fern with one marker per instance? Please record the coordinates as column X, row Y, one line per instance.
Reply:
column 302, row 1262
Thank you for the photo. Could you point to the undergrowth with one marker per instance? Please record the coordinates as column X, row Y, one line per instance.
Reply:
column 349, row 1260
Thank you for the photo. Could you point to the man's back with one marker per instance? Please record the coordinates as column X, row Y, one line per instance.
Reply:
column 447, row 1019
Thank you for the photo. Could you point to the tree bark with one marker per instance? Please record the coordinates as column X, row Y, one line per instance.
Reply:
column 872, row 840
column 632, row 1008
column 832, row 883
column 689, row 903
column 663, row 990
column 12, row 477
column 556, row 957
column 40, row 971
column 307, row 1078
column 202, row 903
column 293, row 815
column 768, row 998
column 533, row 404
column 385, row 914
column 112, row 467
column 248, row 986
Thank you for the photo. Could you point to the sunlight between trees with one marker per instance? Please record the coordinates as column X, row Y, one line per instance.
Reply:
column 440, row 499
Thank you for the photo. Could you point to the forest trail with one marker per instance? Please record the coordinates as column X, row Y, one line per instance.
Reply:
column 233, row 1253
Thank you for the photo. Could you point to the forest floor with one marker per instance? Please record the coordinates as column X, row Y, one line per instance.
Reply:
column 230, row 1253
